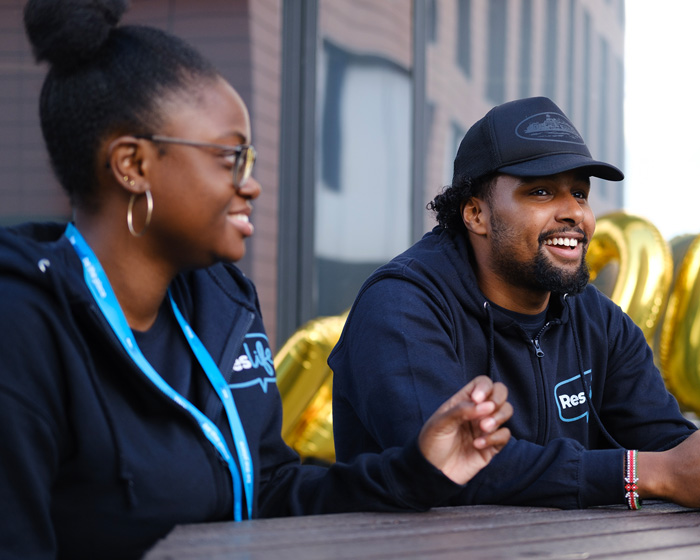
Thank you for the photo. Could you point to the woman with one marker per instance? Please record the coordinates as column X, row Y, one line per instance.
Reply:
column 122, row 331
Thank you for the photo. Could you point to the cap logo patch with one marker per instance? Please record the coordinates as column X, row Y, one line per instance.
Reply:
column 549, row 127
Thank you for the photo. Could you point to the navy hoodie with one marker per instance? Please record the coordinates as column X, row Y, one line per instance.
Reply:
column 95, row 462
column 583, row 389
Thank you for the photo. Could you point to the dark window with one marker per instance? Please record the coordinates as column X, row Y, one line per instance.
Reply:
column 620, row 111
column 604, row 128
column 331, row 139
column 431, row 21
column 570, row 58
column 495, row 85
column 525, row 55
column 587, row 43
column 464, row 36
column 550, row 48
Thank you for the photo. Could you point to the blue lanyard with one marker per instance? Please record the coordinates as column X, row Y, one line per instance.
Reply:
column 99, row 286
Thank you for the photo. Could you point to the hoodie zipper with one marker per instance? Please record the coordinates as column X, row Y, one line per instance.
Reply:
column 536, row 341
column 543, row 430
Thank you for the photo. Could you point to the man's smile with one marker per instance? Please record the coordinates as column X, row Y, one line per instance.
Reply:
column 562, row 242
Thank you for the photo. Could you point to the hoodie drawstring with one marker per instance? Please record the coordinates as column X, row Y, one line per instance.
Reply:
column 124, row 475
column 586, row 387
column 491, row 355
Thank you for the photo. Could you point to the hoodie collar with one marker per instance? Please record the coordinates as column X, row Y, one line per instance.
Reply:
column 460, row 255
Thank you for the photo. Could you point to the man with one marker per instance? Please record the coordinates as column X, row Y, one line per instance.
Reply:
column 500, row 287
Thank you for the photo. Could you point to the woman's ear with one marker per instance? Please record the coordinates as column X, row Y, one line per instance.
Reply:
column 474, row 216
column 126, row 162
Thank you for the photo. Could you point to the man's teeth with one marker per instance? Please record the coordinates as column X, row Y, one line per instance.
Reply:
column 241, row 217
column 564, row 241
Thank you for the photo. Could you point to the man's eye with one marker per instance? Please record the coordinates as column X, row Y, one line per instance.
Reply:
column 539, row 192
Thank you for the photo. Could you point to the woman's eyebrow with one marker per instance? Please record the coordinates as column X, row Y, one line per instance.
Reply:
column 237, row 135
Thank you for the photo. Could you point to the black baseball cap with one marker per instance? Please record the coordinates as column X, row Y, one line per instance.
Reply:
column 527, row 138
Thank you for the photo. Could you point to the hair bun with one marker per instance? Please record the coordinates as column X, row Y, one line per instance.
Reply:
column 68, row 32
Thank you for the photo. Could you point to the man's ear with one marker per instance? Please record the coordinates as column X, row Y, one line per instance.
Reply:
column 474, row 214
column 126, row 156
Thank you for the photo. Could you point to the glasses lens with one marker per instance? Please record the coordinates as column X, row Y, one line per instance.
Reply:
column 244, row 165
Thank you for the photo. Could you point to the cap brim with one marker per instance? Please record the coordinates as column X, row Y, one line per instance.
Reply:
column 559, row 163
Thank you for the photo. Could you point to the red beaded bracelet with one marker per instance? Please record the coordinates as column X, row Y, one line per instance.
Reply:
column 633, row 501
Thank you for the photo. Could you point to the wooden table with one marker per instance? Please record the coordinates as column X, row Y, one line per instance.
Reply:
column 658, row 530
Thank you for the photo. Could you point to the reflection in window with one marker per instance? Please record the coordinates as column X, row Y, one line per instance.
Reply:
column 603, row 115
column 495, row 86
column 550, row 49
column 525, row 57
column 619, row 136
column 464, row 36
column 587, row 72
column 363, row 190
column 570, row 57
column 431, row 23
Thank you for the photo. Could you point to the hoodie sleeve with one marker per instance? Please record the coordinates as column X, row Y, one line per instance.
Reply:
column 30, row 400
column 395, row 363
column 560, row 474
column 636, row 407
column 397, row 479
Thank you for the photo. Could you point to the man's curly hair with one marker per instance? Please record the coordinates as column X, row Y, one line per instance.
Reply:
column 447, row 206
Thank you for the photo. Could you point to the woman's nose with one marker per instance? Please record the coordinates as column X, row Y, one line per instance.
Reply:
column 251, row 189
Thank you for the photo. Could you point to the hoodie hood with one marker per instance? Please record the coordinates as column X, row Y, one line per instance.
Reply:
column 33, row 251
column 443, row 262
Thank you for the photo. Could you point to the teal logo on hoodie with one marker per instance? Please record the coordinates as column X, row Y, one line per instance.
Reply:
column 255, row 363
column 572, row 402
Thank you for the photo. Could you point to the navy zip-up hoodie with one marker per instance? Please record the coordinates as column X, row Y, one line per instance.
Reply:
column 583, row 389
column 95, row 462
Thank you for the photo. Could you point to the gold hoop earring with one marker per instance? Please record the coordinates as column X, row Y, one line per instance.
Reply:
column 130, row 214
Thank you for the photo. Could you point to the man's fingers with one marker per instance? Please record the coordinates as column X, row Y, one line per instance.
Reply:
column 479, row 399
column 498, row 418
column 497, row 439
column 499, row 394
column 450, row 418
column 479, row 388
column 464, row 395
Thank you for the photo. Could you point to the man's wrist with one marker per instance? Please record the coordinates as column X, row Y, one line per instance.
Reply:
column 652, row 473
column 631, row 479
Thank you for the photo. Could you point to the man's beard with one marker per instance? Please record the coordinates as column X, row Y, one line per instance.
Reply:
column 539, row 273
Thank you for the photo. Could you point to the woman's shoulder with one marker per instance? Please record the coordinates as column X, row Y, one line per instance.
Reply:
column 222, row 280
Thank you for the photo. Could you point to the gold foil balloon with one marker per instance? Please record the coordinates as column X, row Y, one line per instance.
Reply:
column 644, row 267
column 680, row 333
column 305, row 383
column 679, row 247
